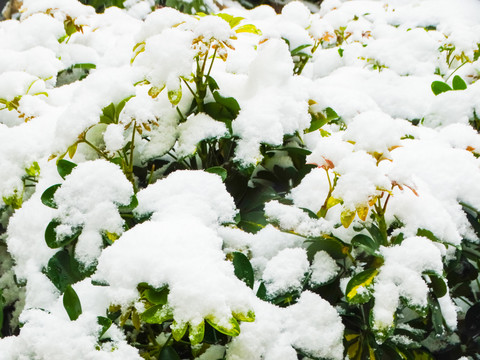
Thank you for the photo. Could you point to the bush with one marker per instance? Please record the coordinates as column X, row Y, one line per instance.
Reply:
column 240, row 185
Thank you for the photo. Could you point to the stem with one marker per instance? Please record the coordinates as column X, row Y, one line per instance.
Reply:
column 189, row 88
column 181, row 115
column 132, row 146
column 211, row 64
column 205, row 61
column 150, row 178
column 100, row 152
column 455, row 71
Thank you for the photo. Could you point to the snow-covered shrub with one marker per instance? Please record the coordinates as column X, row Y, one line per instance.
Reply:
column 241, row 185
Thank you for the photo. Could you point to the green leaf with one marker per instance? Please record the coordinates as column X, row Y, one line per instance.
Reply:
column 357, row 291
column 439, row 87
column 105, row 323
column 229, row 102
column 71, row 302
column 65, row 167
column 51, row 235
column 88, row 66
column 168, row 353
column 298, row 50
column 333, row 246
column 232, row 330
column 47, row 196
column 157, row 314
column 331, row 114
column 196, row 333
column 243, row 268
column 62, row 270
column 458, row 83
column 366, row 243
column 220, row 171
column 157, row 296
column 318, row 120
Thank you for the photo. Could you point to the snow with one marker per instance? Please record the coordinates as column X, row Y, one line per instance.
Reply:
column 395, row 139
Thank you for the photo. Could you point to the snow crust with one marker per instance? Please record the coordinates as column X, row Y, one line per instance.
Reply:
column 374, row 66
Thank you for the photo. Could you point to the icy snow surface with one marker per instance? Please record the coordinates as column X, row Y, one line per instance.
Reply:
column 374, row 66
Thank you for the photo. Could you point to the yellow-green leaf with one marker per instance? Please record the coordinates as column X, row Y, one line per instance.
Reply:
column 178, row 330
column 155, row 91
column 135, row 319
column 357, row 288
column 232, row 329
column 33, row 170
column 196, row 333
column 346, row 217
column 331, row 202
column 137, row 49
column 72, row 149
column 248, row 28
column 248, row 317
column 174, row 96
column 362, row 212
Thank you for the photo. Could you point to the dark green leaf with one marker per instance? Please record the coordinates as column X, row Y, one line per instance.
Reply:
column 262, row 292
column 458, row 83
column 310, row 213
column 366, row 243
column 397, row 240
column 71, row 302
column 65, row 167
column 472, row 321
column 439, row 87
column 51, row 235
column 127, row 208
column 62, row 270
column 105, row 323
column 108, row 114
column 229, row 102
column 437, row 317
column 220, row 171
column 47, row 196
column 168, row 353
column 376, row 234
column 243, row 268
column 333, row 246
column 438, row 285
column 212, row 84
column 428, row 234
column 2, row 305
